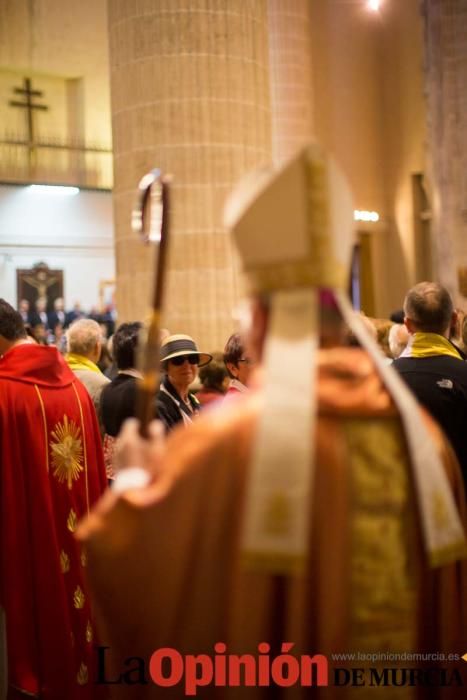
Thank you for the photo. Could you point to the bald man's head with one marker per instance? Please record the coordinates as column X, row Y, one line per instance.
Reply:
column 428, row 307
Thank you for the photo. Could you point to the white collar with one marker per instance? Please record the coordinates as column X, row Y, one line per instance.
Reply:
column 131, row 373
column 236, row 384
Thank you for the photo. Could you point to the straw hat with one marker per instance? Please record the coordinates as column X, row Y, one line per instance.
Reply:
column 178, row 345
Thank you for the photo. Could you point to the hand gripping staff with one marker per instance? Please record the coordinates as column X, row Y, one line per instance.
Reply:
column 150, row 219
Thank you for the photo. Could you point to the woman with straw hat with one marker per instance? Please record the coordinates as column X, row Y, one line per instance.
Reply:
column 180, row 360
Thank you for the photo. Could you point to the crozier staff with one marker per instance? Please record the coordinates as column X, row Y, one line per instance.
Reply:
column 150, row 219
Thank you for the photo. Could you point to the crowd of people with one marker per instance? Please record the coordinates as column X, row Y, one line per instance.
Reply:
column 47, row 326
column 299, row 494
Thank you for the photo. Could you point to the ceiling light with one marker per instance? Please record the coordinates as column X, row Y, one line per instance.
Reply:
column 60, row 190
column 363, row 215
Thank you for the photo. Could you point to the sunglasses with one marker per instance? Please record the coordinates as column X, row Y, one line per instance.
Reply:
column 179, row 361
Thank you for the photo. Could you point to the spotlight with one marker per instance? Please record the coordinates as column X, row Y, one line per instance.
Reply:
column 373, row 5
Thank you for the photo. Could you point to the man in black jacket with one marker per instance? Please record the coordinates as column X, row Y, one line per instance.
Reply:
column 432, row 366
column 118, row 399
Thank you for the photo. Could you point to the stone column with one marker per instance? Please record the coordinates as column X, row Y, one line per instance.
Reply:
column 446, row 90
column 190, row 94
column 291, row 75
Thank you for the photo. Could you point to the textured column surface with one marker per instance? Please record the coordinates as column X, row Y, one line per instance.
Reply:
column 190, row 94
column 291, row 75
column 446, row 89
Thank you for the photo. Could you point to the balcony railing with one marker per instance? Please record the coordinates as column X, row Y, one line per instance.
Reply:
column 56, row 162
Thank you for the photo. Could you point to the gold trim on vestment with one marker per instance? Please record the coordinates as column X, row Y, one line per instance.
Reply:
column 446, row 555
column 89, row 633
column 83, row 432
column 82, row 677
column 44, row 418
column 72, row 521
column 64, row 562
column 383, row 584
column 272, row 563
column 78, row 598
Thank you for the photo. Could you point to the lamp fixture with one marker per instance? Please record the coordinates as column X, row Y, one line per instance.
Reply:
column 60, row 190
column 363, row 215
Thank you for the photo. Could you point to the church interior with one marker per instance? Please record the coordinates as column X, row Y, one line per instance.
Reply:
column 94, row 94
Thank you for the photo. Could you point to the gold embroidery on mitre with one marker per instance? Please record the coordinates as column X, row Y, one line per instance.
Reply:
column 78, row 598
column 64, row 562
column 440, row 513
column 277, row 515
column 72, row 521
column 84, row 558
column 89, row 633
column 82, row 676
column 67, row 451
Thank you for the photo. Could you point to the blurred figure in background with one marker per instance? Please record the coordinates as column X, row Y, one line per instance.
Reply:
column 398, row 338
column 238, row 364
column 455, row 332
column 118, row 398
column 84, row 344
column 214, row 380
column 24, row 312
column 40, row 314
column 58, row 314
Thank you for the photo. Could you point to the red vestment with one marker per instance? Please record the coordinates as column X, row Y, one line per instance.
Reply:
column 52, row 472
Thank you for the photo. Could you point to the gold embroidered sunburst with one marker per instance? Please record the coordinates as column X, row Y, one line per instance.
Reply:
column 78, row 598
column 67, row 451
column 72, row 521
column 82, row 676
column 64, row 562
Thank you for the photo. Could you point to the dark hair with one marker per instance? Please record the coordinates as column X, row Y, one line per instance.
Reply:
column 233, row 350
column 429, row 306
column 11, row 323
column 124, row 344
column 212, row 375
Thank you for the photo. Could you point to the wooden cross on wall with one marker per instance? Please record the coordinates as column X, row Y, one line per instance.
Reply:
column 29, row 94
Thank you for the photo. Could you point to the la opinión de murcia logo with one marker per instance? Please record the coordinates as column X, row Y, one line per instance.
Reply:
column 167, row 667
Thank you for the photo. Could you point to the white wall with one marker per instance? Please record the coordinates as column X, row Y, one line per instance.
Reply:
column 73, row 234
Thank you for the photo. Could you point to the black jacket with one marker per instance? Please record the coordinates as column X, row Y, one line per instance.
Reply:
column 170, row 406
column 118, row 402
column 440, row 384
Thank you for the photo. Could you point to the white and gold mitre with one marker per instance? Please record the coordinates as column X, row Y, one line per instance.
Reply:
column 285, row 228
column 293, row 228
